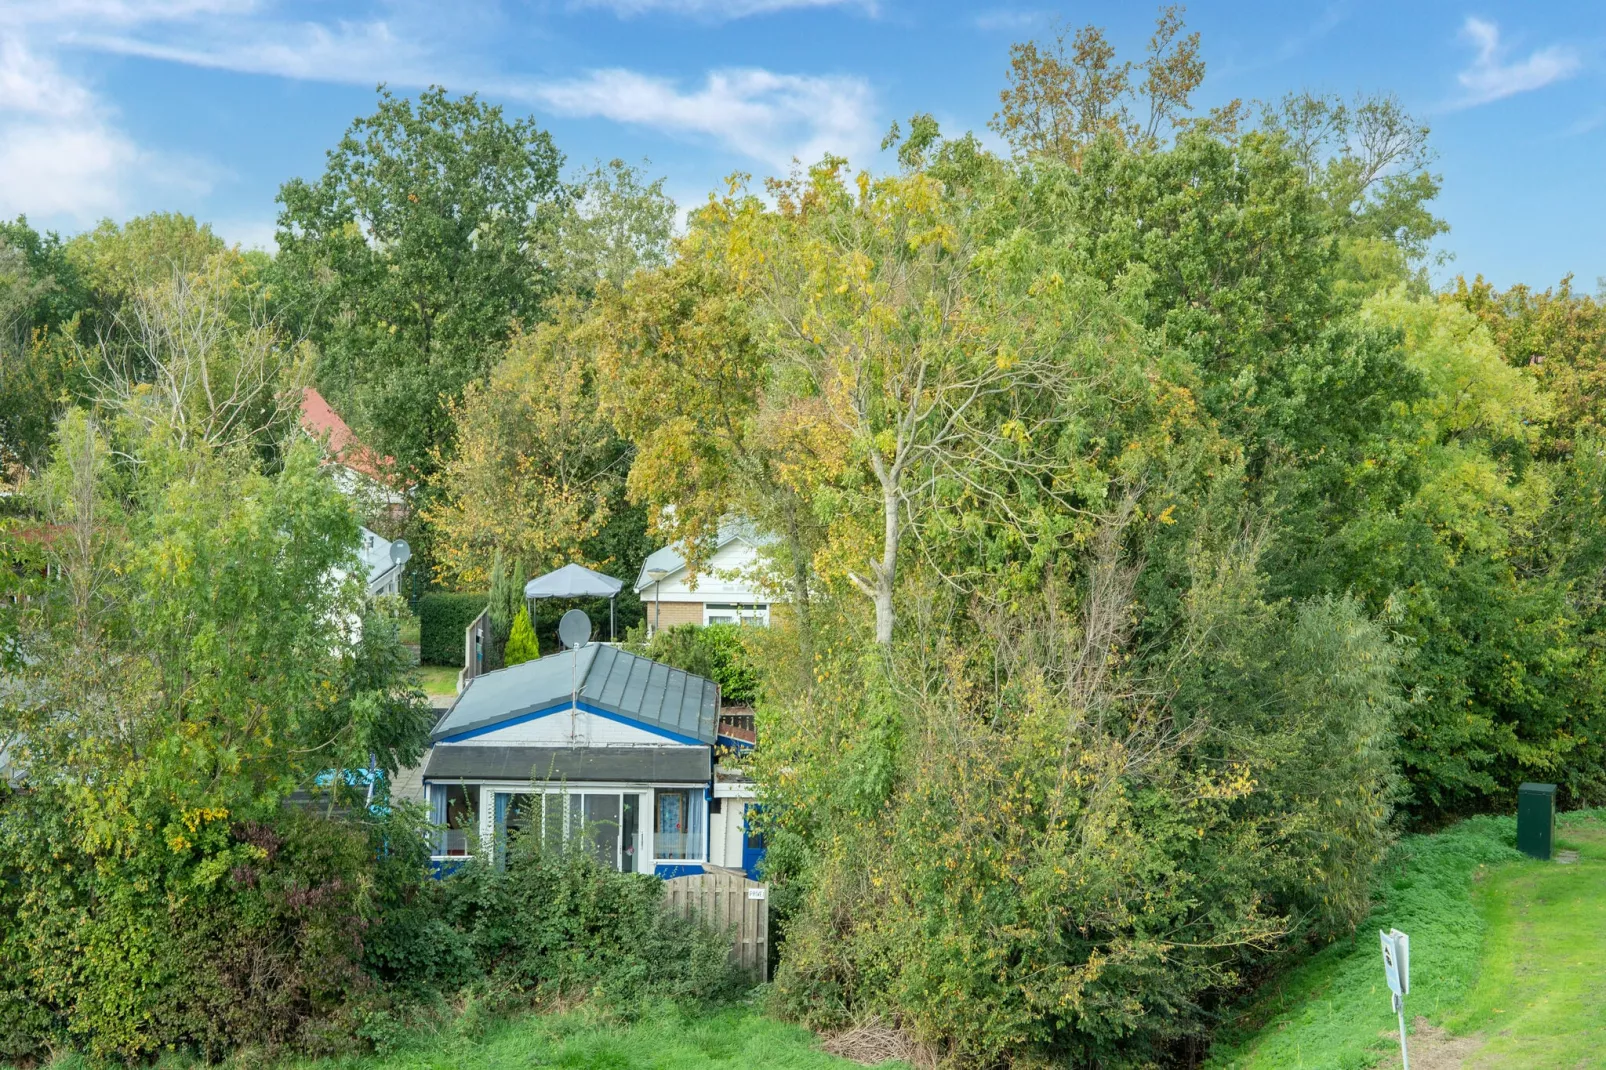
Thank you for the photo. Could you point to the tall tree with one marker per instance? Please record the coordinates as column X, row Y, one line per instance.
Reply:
column 409, row 262
column 617, row 223
column 684, row 377
column 1066, row 92
column 539, row 470
column 43, row 297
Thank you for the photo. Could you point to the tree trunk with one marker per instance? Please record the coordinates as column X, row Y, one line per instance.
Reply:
column 800, row 595
column 886, row 571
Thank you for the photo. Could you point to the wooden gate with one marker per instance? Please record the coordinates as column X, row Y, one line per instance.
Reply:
column 725, row 900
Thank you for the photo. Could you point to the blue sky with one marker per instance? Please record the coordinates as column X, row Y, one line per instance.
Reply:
column 116, row 107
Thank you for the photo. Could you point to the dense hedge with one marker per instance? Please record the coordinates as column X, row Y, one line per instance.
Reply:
column 715, row 651
column 260, row 943
column 566, row 924
column 320, row 927
column 441, row 621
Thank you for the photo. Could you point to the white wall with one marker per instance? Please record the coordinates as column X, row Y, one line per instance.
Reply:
column 553, row 730
column 725, row 827
column 719, row 582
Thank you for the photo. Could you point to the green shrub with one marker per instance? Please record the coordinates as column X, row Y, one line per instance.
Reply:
column 716, row 651
column 258, row 936
column 520, row 641
column 442, row 619
column 563, row 922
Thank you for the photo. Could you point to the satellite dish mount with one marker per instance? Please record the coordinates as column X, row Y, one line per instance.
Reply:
column 574, row 631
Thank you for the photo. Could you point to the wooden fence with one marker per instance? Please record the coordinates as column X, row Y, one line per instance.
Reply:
column 475, row 638
column 725, row 900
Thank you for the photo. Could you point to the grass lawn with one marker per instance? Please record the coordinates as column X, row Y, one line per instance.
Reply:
column 731, row 1039
column 439, row 679
column 726, row 1040
column 1540, row 1001
column 1508, row 956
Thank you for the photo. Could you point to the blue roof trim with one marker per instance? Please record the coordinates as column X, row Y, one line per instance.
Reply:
column 597, row 711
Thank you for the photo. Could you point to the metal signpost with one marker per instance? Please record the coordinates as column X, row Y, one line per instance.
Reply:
column 1397, row 968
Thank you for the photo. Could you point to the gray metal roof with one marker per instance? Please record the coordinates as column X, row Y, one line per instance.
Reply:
column 573, row 581
column 671, row 764
column 609, row 679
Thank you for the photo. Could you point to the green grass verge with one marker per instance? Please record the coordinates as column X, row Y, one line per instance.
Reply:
column 1332, row 1012
column 439, row 679
column 670, row 1040
column 1539, row 995
column 735, row 1038
column 1502, row 947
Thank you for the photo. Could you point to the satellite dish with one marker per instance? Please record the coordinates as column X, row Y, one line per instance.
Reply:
column 400, row 552
column 575, row 629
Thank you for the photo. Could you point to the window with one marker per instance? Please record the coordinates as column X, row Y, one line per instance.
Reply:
column 456, row 807
column 755, row 614
column 604, row 822
column 678, row 821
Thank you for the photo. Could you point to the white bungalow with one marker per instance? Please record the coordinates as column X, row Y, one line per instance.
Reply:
column 725, row 592
column 598, row 743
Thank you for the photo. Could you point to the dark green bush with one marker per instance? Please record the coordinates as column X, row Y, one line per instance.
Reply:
column 260, row 942
column 442, row 619
column 564, row 922
column 715, row 651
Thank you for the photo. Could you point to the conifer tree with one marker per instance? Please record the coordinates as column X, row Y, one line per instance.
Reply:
column 521, row 645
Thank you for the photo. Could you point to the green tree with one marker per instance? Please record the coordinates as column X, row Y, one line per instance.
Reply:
column 204, row 653
column 1560, row 337
column 616, row 224
column 1065, row 93
column 43, row 297
column 539, row 471
column 118, row 261
column 683, row 376
column 521, row 644
column 411, row 260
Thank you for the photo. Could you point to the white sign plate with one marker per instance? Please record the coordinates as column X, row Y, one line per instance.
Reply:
column 757, row 893
column 1396, row 960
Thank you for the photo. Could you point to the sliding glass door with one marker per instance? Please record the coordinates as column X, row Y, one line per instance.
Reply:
column 606, row 823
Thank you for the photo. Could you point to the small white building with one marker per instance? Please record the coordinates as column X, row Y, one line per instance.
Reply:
column 726, row 591
column 600, row 744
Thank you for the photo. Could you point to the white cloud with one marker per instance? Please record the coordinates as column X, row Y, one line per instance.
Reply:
column 715, row 10
column 1490, row 78
column 361, row 52
column 62, row 153
column 1008, row 19
column 758, row 113
column 59, row 155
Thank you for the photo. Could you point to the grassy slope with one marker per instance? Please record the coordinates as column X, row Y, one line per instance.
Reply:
column 1542, row 988
column 1490, row 933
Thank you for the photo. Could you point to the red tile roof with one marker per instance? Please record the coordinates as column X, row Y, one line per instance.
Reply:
column 324, row 424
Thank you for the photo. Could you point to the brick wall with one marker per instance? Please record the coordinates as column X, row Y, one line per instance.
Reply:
column 674, row 613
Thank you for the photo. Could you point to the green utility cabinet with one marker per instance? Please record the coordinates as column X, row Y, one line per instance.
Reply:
column 1536, row 819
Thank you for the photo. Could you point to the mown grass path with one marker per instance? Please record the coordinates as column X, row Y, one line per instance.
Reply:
column 1540, row 1000
column 1507, row 953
